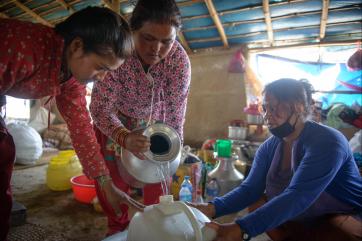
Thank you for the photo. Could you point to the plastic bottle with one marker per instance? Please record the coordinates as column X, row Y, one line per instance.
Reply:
column 187, row 183
column 199, row 198
column 212, row 190
column 185, row 194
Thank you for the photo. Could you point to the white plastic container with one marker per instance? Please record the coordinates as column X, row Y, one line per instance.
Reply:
column 170, row 220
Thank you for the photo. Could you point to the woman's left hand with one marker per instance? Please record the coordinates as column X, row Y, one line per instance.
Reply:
column 226, row 232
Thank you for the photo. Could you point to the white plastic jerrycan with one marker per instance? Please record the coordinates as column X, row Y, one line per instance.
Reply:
column 170, row 220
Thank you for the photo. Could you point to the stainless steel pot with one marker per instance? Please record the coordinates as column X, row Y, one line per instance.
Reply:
column 164, row 154
column 237, row 132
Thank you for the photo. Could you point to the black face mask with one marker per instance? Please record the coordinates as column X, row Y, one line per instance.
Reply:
column 284, row 129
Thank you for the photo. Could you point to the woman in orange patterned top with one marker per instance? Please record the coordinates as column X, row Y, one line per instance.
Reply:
column 38, row 61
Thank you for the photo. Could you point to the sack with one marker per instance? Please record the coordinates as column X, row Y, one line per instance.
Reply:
column 28, row 143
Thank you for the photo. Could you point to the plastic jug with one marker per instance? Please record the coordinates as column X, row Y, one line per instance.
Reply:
column 61, row 169
column 170, row 220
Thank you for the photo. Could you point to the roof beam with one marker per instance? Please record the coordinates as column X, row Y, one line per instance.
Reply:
column 221, row 13
column 268, row 23
column 66, row 6
column 215, row 17
column 188, row 3
column 116, row 6
column 31, row 13
column 260, row 20
column 3, row 15
column 324, row 19
column 278, row 30
column 184, row 42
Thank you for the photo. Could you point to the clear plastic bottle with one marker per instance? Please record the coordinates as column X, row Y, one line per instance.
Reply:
column 199, row 198
column 185, row 194
column 187, row 182
column 212, row 189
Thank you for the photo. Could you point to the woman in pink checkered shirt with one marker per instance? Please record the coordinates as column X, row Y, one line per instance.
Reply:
column 150, row 86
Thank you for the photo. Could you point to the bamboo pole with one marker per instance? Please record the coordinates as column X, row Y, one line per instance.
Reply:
column 268, row 23
column 31, row 13
column 277, row 30
column 225, row 25
column 184, row 42
column 215, row 17
column 3, row 15
column 66, row 6
column 324, row 19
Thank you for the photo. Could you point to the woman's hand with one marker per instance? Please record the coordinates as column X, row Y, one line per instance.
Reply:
column 115, row 196
column 206, row 208
column 226, row 232
column 137, row 143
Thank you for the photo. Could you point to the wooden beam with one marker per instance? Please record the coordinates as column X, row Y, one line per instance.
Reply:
column 324, row 19
column 108, row 4
column 116, row 6
column 215, row 17
column 31, row 13
column 184, row 42
column 188, row 3
column 278, row 30
column 260, row 20
column 269, row 27
column 242, row 10
column 66, row 6
column 3, row 15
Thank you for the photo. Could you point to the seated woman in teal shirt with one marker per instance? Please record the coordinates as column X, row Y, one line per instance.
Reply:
column 304, row 176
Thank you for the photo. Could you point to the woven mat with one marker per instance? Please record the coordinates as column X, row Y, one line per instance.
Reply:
column 47, row 155
column 33, row 232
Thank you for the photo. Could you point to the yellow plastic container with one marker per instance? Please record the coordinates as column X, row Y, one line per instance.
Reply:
column 61, row 168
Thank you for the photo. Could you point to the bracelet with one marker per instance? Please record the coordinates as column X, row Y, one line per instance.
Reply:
column 120, row 135
column 103, row 179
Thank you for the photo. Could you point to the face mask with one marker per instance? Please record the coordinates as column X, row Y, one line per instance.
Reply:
column 284, row 129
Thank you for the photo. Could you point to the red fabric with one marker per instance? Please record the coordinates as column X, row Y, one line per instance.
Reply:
column 30, row 61
column 151, row 192
column 7, row 158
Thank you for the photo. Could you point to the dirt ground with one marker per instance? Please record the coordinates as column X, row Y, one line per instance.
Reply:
column 56, row 214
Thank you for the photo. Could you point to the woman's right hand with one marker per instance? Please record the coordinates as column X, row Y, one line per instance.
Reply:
column 115, row 196
column 137, row 143
column 206, row 208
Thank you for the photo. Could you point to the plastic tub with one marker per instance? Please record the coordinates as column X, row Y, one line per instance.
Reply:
column 61, row 169
column 83, row 189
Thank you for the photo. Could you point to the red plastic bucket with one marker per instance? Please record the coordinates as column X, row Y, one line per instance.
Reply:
column 83, row 189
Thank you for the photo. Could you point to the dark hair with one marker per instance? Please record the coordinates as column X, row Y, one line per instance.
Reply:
column 101, row 30
column 291, row 91
column 158, row 11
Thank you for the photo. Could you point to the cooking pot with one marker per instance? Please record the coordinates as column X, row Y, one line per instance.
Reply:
column 237, row 132
column 163, row 157
column 170, row 220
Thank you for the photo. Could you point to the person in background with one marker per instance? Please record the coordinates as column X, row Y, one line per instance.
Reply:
column 38, row 61
column 150, row 86
column 312, row 186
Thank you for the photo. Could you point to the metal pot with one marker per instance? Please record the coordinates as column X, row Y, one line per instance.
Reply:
column 164, row 154
column 255, row 119
column 237, row 132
